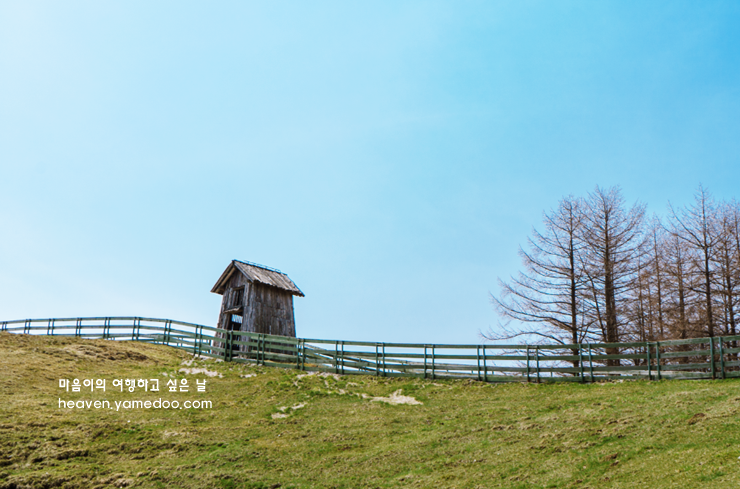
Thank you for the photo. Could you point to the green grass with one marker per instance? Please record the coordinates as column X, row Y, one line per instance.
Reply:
column 466, row 434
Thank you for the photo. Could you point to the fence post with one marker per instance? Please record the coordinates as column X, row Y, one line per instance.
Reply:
column 425, row 361
column 721, row 358
column 5, row 326
column 647, row 346
column 336, row 356
column 537, row 359
column 433, row 362
column 303, row 355
column 527, row 363
column 580, row 361
column 342, row 357
column 384, row 372
column 377, row 363
column 78, row 327
column 232, row 338
column 485, row 365
column 657, row 359
column 711, row 356
column 590, row 363
column 477, row 357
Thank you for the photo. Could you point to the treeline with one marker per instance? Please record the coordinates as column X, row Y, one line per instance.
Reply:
column 602, row 271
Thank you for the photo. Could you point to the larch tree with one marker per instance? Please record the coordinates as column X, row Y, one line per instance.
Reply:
column 697, row 226
column 727, row 264
column 614, row 241
column 549, row 291
column 596, row 271
column 646, row 299
column 678, row 294
column 656, row 252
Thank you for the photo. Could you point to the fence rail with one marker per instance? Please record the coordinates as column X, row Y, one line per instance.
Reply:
column 697, row 358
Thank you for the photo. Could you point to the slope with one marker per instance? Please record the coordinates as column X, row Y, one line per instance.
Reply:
column 270, row 428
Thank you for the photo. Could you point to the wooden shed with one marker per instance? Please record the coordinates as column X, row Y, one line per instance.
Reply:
column 257, row 299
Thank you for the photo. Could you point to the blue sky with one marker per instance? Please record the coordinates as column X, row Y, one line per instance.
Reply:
column 389, row 156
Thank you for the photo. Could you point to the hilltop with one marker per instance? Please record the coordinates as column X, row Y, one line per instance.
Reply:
column 270, row 428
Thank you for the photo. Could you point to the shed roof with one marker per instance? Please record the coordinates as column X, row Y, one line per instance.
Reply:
column 256, row 273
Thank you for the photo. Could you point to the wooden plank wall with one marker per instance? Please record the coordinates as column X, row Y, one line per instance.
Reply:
column 236, row 280
column 270, row 311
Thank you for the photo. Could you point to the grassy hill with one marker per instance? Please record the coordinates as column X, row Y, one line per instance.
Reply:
column 270, row 428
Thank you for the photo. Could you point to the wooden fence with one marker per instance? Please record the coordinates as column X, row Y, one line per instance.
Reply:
column 700, row 358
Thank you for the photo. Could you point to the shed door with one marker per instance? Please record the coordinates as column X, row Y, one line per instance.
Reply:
column 235, row 324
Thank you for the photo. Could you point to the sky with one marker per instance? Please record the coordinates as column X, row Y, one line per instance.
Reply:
column 389, row 156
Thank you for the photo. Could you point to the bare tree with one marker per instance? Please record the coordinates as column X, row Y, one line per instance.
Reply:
column 656, row 251
column 549, row 291
column 696, row 225
column 727, row 263
column 734, row 220
column 597, row 272
column 639, row 307
column 614, row 239
column 678, row 293
column 645, row 298
column 658, row 256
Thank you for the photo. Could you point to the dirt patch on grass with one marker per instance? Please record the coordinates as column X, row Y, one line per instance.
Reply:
column 696, row 418
column 204, row 371
column 395, row 398
column 105, row 352
column 283, row 409
column 33, row 481
column 319, row 374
